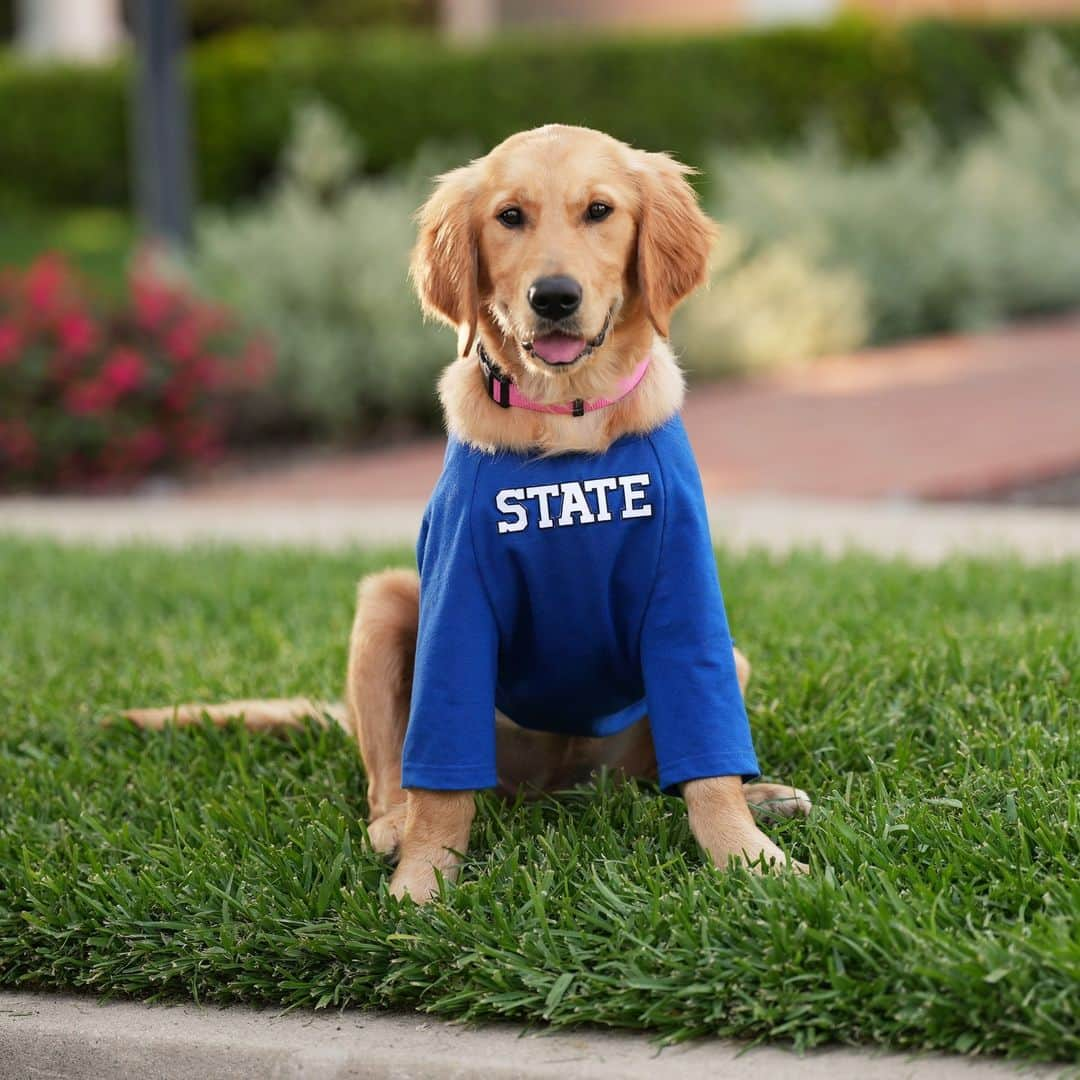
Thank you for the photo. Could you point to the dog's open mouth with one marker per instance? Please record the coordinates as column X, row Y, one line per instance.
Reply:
column 559, row 349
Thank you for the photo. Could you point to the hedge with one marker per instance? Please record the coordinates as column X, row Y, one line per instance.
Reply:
column 205, row 18
column 63, row 139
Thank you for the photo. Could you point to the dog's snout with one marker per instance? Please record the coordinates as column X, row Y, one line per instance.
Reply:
column 555, row 297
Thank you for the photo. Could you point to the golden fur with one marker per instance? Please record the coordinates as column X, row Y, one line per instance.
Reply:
column 473, row 272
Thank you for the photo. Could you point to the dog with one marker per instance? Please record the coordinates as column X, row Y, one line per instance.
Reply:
column 567, row 615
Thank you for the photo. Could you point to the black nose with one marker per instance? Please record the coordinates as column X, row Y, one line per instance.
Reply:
column 555, row 297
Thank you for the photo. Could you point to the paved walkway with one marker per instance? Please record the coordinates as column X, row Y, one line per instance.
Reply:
column 945, row 418
column 924, row 533
column 81, row 1039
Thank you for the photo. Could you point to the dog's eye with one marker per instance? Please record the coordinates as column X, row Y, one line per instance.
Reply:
column 511, row 217
column 598, row 211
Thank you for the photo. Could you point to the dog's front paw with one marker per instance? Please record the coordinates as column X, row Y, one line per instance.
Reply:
column 720, row 819
column 754, row 849
column 416, row 879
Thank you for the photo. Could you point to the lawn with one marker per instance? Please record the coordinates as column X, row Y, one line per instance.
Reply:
column 931, row 713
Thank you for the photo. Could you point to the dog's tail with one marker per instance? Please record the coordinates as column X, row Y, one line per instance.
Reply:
column 272, row 714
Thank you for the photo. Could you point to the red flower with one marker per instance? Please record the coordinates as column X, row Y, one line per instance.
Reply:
column 77, row 334
column 10, row 343
column 45, row 280
column 124, row 371
column 89, row 398
column 151, row 301
column 183, row 340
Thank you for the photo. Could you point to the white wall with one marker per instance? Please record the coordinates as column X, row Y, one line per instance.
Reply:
column 469, row 20
column 86, row 30
column 765, row 11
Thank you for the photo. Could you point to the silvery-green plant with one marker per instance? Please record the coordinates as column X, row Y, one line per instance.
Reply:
column 1021, row 181
column 770, row 307
column 321, row 264
column 938, row 240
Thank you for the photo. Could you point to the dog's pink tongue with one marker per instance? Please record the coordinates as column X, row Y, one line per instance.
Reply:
column 558, row 348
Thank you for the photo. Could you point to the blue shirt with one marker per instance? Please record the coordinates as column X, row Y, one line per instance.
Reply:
column 577, row 593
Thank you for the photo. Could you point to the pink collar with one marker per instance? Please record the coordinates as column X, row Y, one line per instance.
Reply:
column 504, row 391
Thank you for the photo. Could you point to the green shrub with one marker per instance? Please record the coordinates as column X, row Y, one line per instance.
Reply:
column 1017, row 225
column 937, row 240
column 960, row 71
column 321, row 265
column 208, row 17
column 883, row 220
column 64, row 136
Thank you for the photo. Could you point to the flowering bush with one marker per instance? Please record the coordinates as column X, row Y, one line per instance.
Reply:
column 94, row 399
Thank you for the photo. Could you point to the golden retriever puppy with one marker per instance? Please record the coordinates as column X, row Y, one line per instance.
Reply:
column 567, row 614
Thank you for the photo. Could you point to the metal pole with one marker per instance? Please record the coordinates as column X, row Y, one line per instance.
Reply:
column 162, row 149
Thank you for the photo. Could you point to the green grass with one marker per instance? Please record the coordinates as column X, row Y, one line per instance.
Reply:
column 930, row 713
column 98, row 241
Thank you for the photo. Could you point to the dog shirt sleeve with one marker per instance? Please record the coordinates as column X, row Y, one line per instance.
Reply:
column 696, row 712
column 450, row 741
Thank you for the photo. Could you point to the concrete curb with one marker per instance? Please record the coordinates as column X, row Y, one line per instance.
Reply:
column 81, row 1039
column 925, row 533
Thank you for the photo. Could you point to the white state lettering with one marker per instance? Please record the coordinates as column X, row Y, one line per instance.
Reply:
column 601, row 487
column 521, row 506
column 542, row 494
column 633, row 492
column 574, row 502
column 508, row 502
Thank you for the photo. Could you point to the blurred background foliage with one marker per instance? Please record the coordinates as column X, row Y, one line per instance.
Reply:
column 826, row 254
column 820, row 253
column 64, row 139
column 876, row 181
column 209, row 17
column 321, row 264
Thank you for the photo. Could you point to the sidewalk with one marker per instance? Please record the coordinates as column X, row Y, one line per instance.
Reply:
column 81, row 1039
column 923, row 533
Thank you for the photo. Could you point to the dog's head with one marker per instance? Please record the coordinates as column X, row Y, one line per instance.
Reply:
column 555, row 238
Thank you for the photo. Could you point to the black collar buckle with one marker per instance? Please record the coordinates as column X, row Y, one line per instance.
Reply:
column 494, row 374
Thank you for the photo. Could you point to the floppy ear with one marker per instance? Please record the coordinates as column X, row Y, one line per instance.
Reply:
column 444, row 260
column 674, row 238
